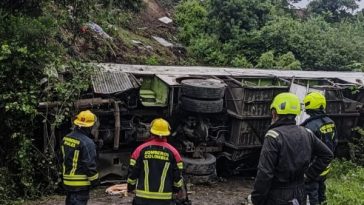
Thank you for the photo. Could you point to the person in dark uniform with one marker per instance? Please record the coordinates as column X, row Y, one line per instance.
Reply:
column 286, row 155
column 79, row 160
column 155, row 170
column 324, row 128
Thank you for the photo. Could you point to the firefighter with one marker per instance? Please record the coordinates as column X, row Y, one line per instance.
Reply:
column 155, row 171
column 285, row 157
column 324, row 128
column 79, row 160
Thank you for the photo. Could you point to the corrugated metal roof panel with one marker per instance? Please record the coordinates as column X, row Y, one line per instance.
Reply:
column 351, row 77
column 111, row 82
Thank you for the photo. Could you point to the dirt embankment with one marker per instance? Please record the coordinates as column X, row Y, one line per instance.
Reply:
column 230, row 192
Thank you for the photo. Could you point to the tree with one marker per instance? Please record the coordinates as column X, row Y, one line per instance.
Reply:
column 241, row 61
column 288, row 61
column 266, row 60
column 225, row 17
column 208, row 50
column 317, row 44
column 28, row 7
column 239, row 32
column 333, row 10
column 191, row 16
column 29, row 54
column 285, row 3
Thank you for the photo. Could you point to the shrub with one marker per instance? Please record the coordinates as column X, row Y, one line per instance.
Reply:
column 345, row 184
column 191, row 16
column 28, row 7
column 208, row 50
column 26, row 50
column 134, row 5
column 288, row 61
column 357, row 147
column 266, row 60
column 29, row 54
column 241, row 61
column 152, row 60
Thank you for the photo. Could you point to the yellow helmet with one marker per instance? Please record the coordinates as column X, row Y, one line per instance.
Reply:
column 286, row 103
column 85, row 119
column 314, row 100
column 160, row 127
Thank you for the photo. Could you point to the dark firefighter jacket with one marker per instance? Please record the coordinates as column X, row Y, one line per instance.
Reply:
column 285, row 158
column 323, row 127
column 155, row 170
column 79, row 162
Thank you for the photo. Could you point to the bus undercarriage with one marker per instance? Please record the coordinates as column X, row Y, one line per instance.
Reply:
column 218, row 115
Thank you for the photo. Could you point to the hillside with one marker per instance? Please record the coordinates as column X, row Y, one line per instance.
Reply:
column 135, row 37
column 48, row 47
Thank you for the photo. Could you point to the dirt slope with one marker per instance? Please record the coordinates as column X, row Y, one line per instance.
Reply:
column 133, row 43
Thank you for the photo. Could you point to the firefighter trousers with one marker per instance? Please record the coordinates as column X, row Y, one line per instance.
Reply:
column 141, row 201
column 287, row 196
column 77, row 197
column 316, row 191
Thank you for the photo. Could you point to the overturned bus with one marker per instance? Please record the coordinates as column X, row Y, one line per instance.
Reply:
column 218, row 115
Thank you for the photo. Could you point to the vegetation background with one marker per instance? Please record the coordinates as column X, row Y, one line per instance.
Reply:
column 44, row 45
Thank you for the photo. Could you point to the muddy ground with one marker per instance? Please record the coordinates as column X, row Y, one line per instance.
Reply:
column 232, row 191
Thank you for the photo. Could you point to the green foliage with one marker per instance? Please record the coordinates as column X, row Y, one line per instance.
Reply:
column 78, row 12
column 333, row 10
column 191, row 15
column 134, row 5
column 266, row 60
column 316, row 43
column 357, row 147
column 25, row 52
column 169, row 4
column 29, row 54
column 208, row 50
column 152, row 60
column 241, row 61
column 252, row 28
column 358, row 67
column 28, row 7
column 5, row 192
column 225, row 17
column 288, row 61
column 112, row 19
column 345, row 184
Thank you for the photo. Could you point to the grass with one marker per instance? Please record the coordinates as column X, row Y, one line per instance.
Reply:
column 345, row 185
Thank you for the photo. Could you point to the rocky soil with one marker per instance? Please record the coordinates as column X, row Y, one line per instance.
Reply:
column 233, row 191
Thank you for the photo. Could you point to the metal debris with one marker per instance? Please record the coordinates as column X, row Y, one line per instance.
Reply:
column 162, row 41
column 111, row 82
column 91, row 26
column 165, row 20
column 136, row 42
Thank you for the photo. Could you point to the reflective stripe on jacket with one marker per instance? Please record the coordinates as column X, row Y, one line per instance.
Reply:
column 79, row 161
column 324, row 128
column 155, row 170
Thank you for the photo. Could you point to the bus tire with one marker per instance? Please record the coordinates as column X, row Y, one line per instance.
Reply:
column 200, row 166
column 203, row 88
column 202, row 106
